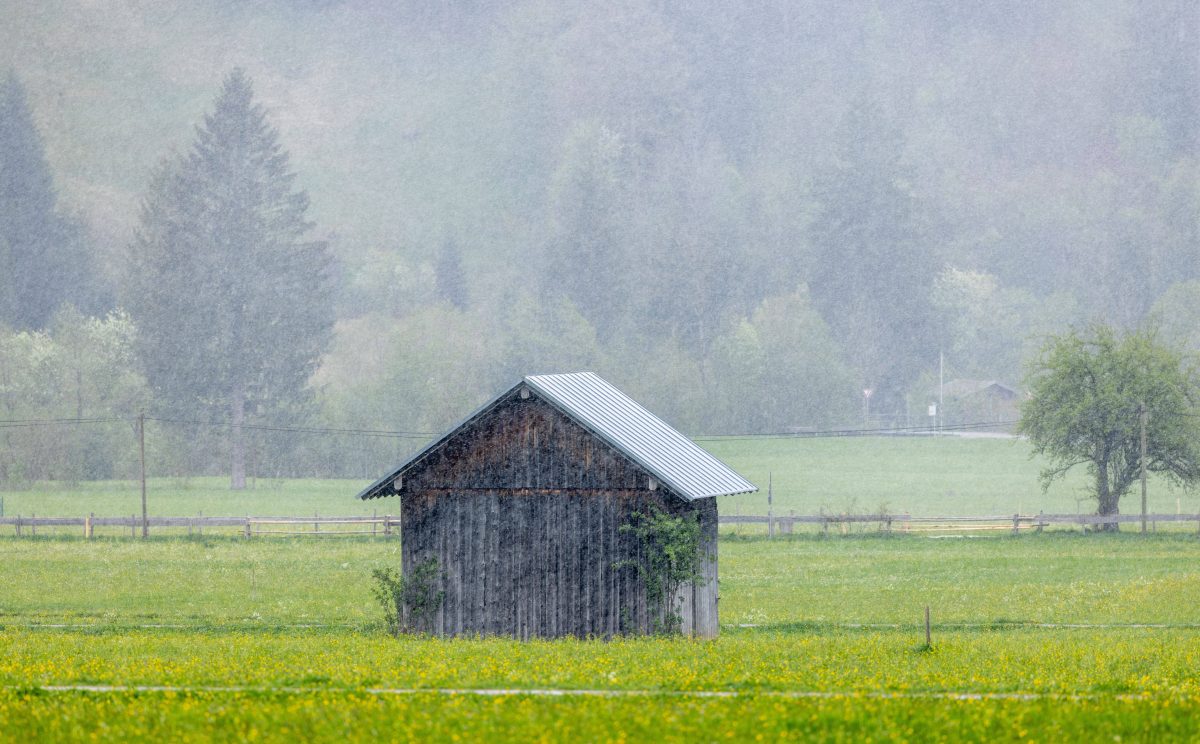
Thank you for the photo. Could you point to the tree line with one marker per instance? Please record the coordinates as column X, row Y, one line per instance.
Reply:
column 745, row 220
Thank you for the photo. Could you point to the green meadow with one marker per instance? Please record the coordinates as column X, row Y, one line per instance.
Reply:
column 922, row 476
column 1060, row 636
column 1040, row 637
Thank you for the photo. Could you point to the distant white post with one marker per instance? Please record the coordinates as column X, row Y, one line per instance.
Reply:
column 770, row 510
column 941, row 384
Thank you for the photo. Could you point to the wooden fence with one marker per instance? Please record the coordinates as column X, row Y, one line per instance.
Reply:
column 389, row 525
column 908, row 523
column 386, row 525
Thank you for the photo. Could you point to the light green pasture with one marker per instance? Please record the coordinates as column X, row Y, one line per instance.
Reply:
column 922, row 476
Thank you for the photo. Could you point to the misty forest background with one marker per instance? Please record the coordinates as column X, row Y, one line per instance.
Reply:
column 742, row 216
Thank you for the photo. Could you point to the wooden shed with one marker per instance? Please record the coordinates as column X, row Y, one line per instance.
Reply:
column 522, row 504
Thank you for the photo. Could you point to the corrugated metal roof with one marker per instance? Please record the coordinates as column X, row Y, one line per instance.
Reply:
column 641, row 436
column 676, row 461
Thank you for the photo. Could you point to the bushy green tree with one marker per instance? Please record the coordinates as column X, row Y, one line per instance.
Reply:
column 780, row 368
column 419, row 373
column 549, row 336
column 1087, row 391
column 230, row 294
column 79, row 368
column 988, row 329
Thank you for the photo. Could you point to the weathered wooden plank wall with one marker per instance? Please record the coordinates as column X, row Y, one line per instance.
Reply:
column 522, row 511
column 525, row 444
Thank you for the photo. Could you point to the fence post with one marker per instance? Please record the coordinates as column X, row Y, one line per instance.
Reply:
column 87, row 526
column 374, row 523
column 246, row 532
column 770, row 510
column 18, row 525
column 133, row 525
column 387, row 525
column 33, row 525
column 1016, row 524
column 316, row 524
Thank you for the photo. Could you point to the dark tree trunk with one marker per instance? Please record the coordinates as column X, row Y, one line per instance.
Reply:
column 237, row 441
column 1107, row 498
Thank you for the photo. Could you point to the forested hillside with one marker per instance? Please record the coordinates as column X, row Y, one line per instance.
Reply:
column 745, row 215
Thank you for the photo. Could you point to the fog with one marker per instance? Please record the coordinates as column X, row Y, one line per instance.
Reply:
column 775, row 217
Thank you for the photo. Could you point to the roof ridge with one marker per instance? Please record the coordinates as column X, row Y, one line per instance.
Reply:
column 621, row 422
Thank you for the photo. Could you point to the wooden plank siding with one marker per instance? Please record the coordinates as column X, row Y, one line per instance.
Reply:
column 522, row 511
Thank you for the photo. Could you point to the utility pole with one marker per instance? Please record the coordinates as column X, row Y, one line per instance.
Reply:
column 941, row 384
column 1144, row 416
column 142, row 450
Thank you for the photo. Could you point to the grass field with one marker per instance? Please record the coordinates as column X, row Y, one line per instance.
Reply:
column 1049, row 637
column 923, row 476
column 1041, row 637
column 929, row 476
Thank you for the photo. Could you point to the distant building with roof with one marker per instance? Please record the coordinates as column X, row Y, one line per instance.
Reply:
column 979, row 402
column 522, row 503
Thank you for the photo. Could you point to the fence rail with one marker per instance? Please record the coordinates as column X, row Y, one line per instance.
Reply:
column 908, row 523
column 388, row 525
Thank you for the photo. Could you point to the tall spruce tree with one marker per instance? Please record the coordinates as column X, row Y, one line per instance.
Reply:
column 44, row 259
column 232, row 300
column 873, row 273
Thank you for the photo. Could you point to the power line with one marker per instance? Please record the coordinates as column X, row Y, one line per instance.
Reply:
column 18, row 423
column 302, row 429
column 394, row 434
